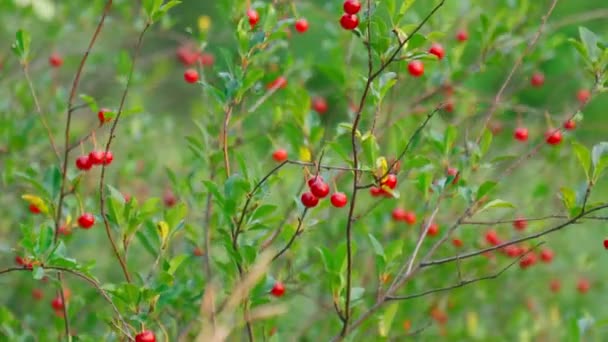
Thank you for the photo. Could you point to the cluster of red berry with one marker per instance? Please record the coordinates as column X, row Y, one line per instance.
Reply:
column 87, row 161
column 319, row 189
column 349, row 20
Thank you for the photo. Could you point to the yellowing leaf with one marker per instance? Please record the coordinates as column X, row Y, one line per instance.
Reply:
column 37, row 201
column 305, row 154
column 472, row 323
column 204, row 23
column 163, row 231
column 381, row 167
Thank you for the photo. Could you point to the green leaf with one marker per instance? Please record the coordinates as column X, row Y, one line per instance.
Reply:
column 271, row 18
column 449, row 139
column 568, row 197
column 21, row 46
column 38, row 272
column 405, row 6
column 162, row 10
column 378, row 249
column 584, row 157
column 90, row 101
column 176, row 262
column 497, row 203
column 485, row 188
column 598, row 158
column 590, row 40
column 486, row 141
column 52, row 181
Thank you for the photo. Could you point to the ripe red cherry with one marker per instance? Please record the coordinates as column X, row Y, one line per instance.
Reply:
column 319, row 188
column 96, row 157
column 34, row 209
column 437, row 50
column 527, row 261
column 278, row 289
column 301, row 25
column 279, row 83
column 313, row 179
column 433, row 229
column 349, row 21
column 279, row 155
column 390, row 181
column 339, row 199
column 398, row 214
column 456, row 242
column 553, row 137
column 513, row 251
column 145, row 336
column 65, row 230
column 107, row 158
column 186, row 55
column 555, row 285
column 376, row 191
column 583, row 285
column 191, row 76
column 409, row 217
column 253, row 17
column 606, row 243
column 448, row 106
column 521, row 134
column 206, row 59
column 583, row 96
column 520, row 224
column 546, row 255
column 352, row 6
column 319, row 105
column 492, row 238
column 57, row 303
column 101, row 115
column 86, row 220
column 570, row 125
column 462, row 36
column 537, row 79
column 309, row 200
column 83, row 163
column 169, row 198
column 416, row 68
column 55, row 60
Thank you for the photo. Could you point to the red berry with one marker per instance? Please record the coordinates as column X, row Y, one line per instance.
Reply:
column 492, row 238
column 520, row 224
column 279, row 83
column 19, row 260
column 339, row 199
column 207, row 59
column 57, row 303
column 34, row 209
column 553, row 137
column 437, row 50
column 583, row 96
column 399, row 214
column 101, row 115
column 83, row 163
column 521, row 134
column 409, row 217
column 65, row 230
column 319, row 188
column 349, row 21
column 527, row 261
column 456, row 242
column 537, row 79
column 278, row 289
column 198, row 252
column 583, row 285
column 555, row 285
column 107, row 158
column 313, row 179
column 145, row 336
column 546, row 255
column 416, row 68
column 390, row 181
column 319, row 105
column 376, row 191
column 513, row 251
column 606, row 243
column 352, row 6
column 301, row 25
column 309, row 200
column 186, row 55
column 448, row 106
column 96, row 157
column 55, row 60
column 37, row 294
column 570, row 125
column 169, row 198
column 280, row 155
column 253, row 17
column 86, row 220
column 462, row 35
column 433, row 229
column 191, row 76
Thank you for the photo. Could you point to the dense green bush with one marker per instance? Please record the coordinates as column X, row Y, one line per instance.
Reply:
column 236, row 170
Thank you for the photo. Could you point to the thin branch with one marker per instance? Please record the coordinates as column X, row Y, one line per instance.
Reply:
column 293, row 237
column 227, row 116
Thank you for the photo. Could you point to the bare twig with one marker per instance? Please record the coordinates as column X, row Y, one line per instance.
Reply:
column 293, row 237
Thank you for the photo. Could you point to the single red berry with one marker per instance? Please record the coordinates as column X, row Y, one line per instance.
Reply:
column 555, row 285
column 605, row 243
column 437, row 50
column 57, row 303
column 34, row 209
column 409, row 217
column 398, row 214
column 169, row 198
column 191, row 76
column 319, row 188
column 207, row 59
column 186, row 55
column 352, row 6
column 583, row 285
column 583, row 96
column 513, row 251
column 101, row 115
column 86, row 220
column 570, row 125
column 520, row 223
column 462, row 36
column 96, row 157
column 537, row 79
column 390, row 181
column 279, row 83
column 448, row 106
column 37, row 294
column 376, row 191
column 319, row 105
column 553, row 137
column 198, row 252
column 253, row 17
column 527, row 261
column 349, row 21
column 433, row 229
column 309, row 200
column 546, row 255
column 453, row 172
column 55, row 60
column 416, row 68
column 280, row 155
column 313, row 179
column 19, row 260
column 339, row 199
column 65, row 230
column 107, row 158
column 521, row 134
column 456, row 242
column 145, row 336
column 301, row 25
column 278, row 289
column 492, row 238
